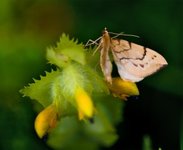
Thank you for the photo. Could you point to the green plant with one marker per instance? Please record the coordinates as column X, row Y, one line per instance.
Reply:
column 78, row 107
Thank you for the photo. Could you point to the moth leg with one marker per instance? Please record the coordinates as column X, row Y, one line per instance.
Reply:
column 99, row 45
column 91, row 42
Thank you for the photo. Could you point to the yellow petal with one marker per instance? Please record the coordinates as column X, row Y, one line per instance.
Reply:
column 123, row 89
column 84, row 103
column 46, row 120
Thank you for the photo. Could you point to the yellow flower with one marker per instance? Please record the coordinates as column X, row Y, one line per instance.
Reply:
column 84, row 103
column 46, row 120
column 123, row 89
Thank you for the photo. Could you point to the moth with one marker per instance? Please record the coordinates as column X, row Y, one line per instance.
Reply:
column 134, row 62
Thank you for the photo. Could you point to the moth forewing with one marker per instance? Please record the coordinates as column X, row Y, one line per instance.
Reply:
column 134, row 61
column 105, row 62
column 123, row 72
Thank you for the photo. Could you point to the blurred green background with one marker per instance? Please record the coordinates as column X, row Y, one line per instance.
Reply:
column 28, row 27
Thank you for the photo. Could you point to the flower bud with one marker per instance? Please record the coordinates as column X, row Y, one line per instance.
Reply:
column 84, row 104
column 123, row 89
column 46, row 120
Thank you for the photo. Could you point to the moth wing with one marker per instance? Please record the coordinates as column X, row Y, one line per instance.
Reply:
column 106, row 64
column 135, row 62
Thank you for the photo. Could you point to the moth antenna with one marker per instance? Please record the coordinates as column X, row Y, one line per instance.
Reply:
column 117, row 34
column 123, row 34
column 133, row 35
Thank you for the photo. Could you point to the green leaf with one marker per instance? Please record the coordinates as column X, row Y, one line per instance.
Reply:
column 76, row 75
column 97, row 82
column 72, row 78
column 93, row 59
column 112, row 107
column 69, row 135
column 102, row 130
column 40, row 90
column 66, row 51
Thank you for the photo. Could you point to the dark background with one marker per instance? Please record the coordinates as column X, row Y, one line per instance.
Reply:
column 28, row 27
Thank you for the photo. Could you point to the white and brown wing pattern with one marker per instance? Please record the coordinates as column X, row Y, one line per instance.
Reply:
column 135, row 62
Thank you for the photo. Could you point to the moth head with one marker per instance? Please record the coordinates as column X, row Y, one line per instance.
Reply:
column 104, row 31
